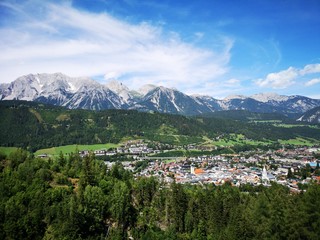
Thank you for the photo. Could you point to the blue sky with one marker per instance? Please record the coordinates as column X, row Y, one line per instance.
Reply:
column 210, row 47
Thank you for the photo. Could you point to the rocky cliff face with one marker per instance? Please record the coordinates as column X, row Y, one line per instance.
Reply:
column 311, row 116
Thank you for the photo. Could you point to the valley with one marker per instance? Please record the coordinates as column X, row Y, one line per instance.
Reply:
column 96, row 164
column 113, row 172
column 159, row 120
column 36, row 126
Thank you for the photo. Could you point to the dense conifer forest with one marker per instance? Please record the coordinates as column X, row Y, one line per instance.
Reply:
column 34, row 126
column 79, row 198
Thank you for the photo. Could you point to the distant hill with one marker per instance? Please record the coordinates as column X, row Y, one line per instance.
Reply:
column 34, row 125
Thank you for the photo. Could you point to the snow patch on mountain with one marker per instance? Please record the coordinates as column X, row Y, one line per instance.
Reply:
column 120, row 89
column 266, row 97
column 231, row 97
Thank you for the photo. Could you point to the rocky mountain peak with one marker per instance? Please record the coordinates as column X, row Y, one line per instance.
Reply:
column 266, row 97
column 228, row 98
column 82, row 92
column 120, row 89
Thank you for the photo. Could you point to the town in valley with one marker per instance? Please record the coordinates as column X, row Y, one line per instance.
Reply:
column 293, row 167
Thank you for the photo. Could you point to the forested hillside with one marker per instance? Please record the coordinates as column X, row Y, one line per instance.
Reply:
column 243, row 115
column 34, row 126
column 79, row 198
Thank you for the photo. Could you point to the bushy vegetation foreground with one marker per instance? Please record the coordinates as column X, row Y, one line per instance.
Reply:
column 79, row 198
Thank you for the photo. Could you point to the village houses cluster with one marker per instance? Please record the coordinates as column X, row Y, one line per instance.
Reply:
column 253, row 167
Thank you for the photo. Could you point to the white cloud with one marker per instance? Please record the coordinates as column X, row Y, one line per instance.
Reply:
column 312, row 82
column 286, row 78
column 111, row 76
column 78, row 43
column 314, row 96
column 280, row 79
column 311, row 68
column 233, row 82
column 219, row 89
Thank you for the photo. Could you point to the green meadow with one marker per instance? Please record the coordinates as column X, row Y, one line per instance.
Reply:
column 233, row 139
column 299, row 142
column 285, row 125
column 55, row 151
column 7, row 150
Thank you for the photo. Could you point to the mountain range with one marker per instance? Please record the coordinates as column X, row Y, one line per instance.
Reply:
column 61, row 90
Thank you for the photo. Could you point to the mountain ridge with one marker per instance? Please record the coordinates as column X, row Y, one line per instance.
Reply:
column 311, row 116
column 62, row 90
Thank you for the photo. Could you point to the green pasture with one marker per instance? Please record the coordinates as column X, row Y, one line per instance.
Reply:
column 266, row 121
column 54, row 151
column 169, row 161
column 299, row 142
column 233, row 139
column 174, row 139
column 285, row 125
column 7, row 150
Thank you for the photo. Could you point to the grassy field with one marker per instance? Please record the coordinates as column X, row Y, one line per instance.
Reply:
column 175, row 139
column 266, row 121
column 7, row 150
column 285, row 125
column 169, row 161
column 231, row 140
column 300, row 142
column 55, row 151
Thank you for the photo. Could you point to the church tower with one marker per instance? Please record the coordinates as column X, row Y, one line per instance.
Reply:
column 265, row 178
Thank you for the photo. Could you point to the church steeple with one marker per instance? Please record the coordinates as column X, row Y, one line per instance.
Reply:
column 265, row 178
